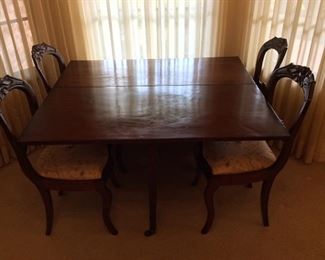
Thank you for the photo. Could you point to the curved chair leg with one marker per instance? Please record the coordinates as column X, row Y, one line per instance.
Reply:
column 198, row 166
column 209, row 202
column 197, row 177
column 265, row 193
column 119, row 159
column 109, row 171
column 107, row 201
column 47, row 200
column 114, row 181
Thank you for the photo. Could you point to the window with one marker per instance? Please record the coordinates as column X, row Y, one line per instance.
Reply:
column 15, row 36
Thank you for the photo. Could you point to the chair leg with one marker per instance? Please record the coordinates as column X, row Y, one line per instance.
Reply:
column 107, row 201
column 119, row 159
column 197, row 177
column 265, row 193
column 114, row 181
column 109, row 170
column 198, row 166
column 47, row 200
column 209, row 202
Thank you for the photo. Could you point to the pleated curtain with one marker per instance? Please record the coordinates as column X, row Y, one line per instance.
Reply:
column 145, row 29
column 152, row 29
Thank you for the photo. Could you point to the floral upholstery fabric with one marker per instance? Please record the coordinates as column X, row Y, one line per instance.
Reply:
column 238, row 157
column 72, row 162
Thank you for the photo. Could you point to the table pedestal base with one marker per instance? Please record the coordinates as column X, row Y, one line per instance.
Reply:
column 152, row 189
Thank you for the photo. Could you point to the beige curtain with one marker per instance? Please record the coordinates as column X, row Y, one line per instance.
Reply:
column 152, row 29
column 117, row 29
column 120, row 29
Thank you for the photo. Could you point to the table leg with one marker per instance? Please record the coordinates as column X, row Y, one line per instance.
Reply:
column 152, row 188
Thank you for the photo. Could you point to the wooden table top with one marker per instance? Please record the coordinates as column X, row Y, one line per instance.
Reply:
column 153, row 72
column 161, row 113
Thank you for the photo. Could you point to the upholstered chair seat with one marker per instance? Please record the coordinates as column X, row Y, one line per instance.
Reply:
column 238, row 157
column 72, row 162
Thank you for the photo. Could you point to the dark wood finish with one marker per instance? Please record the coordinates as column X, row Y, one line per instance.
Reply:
column 119, row 159
column 45, row 185
column 304, row 77
column 159, row 114
column 152, row 72
column 38, row 53
column 152, row 190
column 278, row 44
column 198, row 172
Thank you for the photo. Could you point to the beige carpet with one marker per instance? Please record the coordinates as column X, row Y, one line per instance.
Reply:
column 297, row 216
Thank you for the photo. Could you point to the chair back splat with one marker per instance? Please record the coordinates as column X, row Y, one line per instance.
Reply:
column 304, row 77
column 278, row 44
column 39, row 51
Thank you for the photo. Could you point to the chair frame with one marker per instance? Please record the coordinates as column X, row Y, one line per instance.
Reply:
column 278, row 44
column 304, row 77
column 45, row 185
column 38, row 53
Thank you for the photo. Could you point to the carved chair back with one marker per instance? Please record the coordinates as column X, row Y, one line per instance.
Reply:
column 304, row 77
column 278, row 44
column 8, row 84
column 39, row 51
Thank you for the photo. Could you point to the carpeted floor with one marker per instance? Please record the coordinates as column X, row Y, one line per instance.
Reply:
column 297, row 216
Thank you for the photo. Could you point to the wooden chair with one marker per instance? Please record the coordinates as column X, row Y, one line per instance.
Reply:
column 278, row 44
column 240, row 163
column 60, row 167
column 281, row 46
column 39, row 51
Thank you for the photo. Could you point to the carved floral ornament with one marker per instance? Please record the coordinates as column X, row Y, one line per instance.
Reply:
column 39, row 50
column 8, row 82
column 302, row 75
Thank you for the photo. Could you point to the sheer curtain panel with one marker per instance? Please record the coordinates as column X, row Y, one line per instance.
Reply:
column 138, row 29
